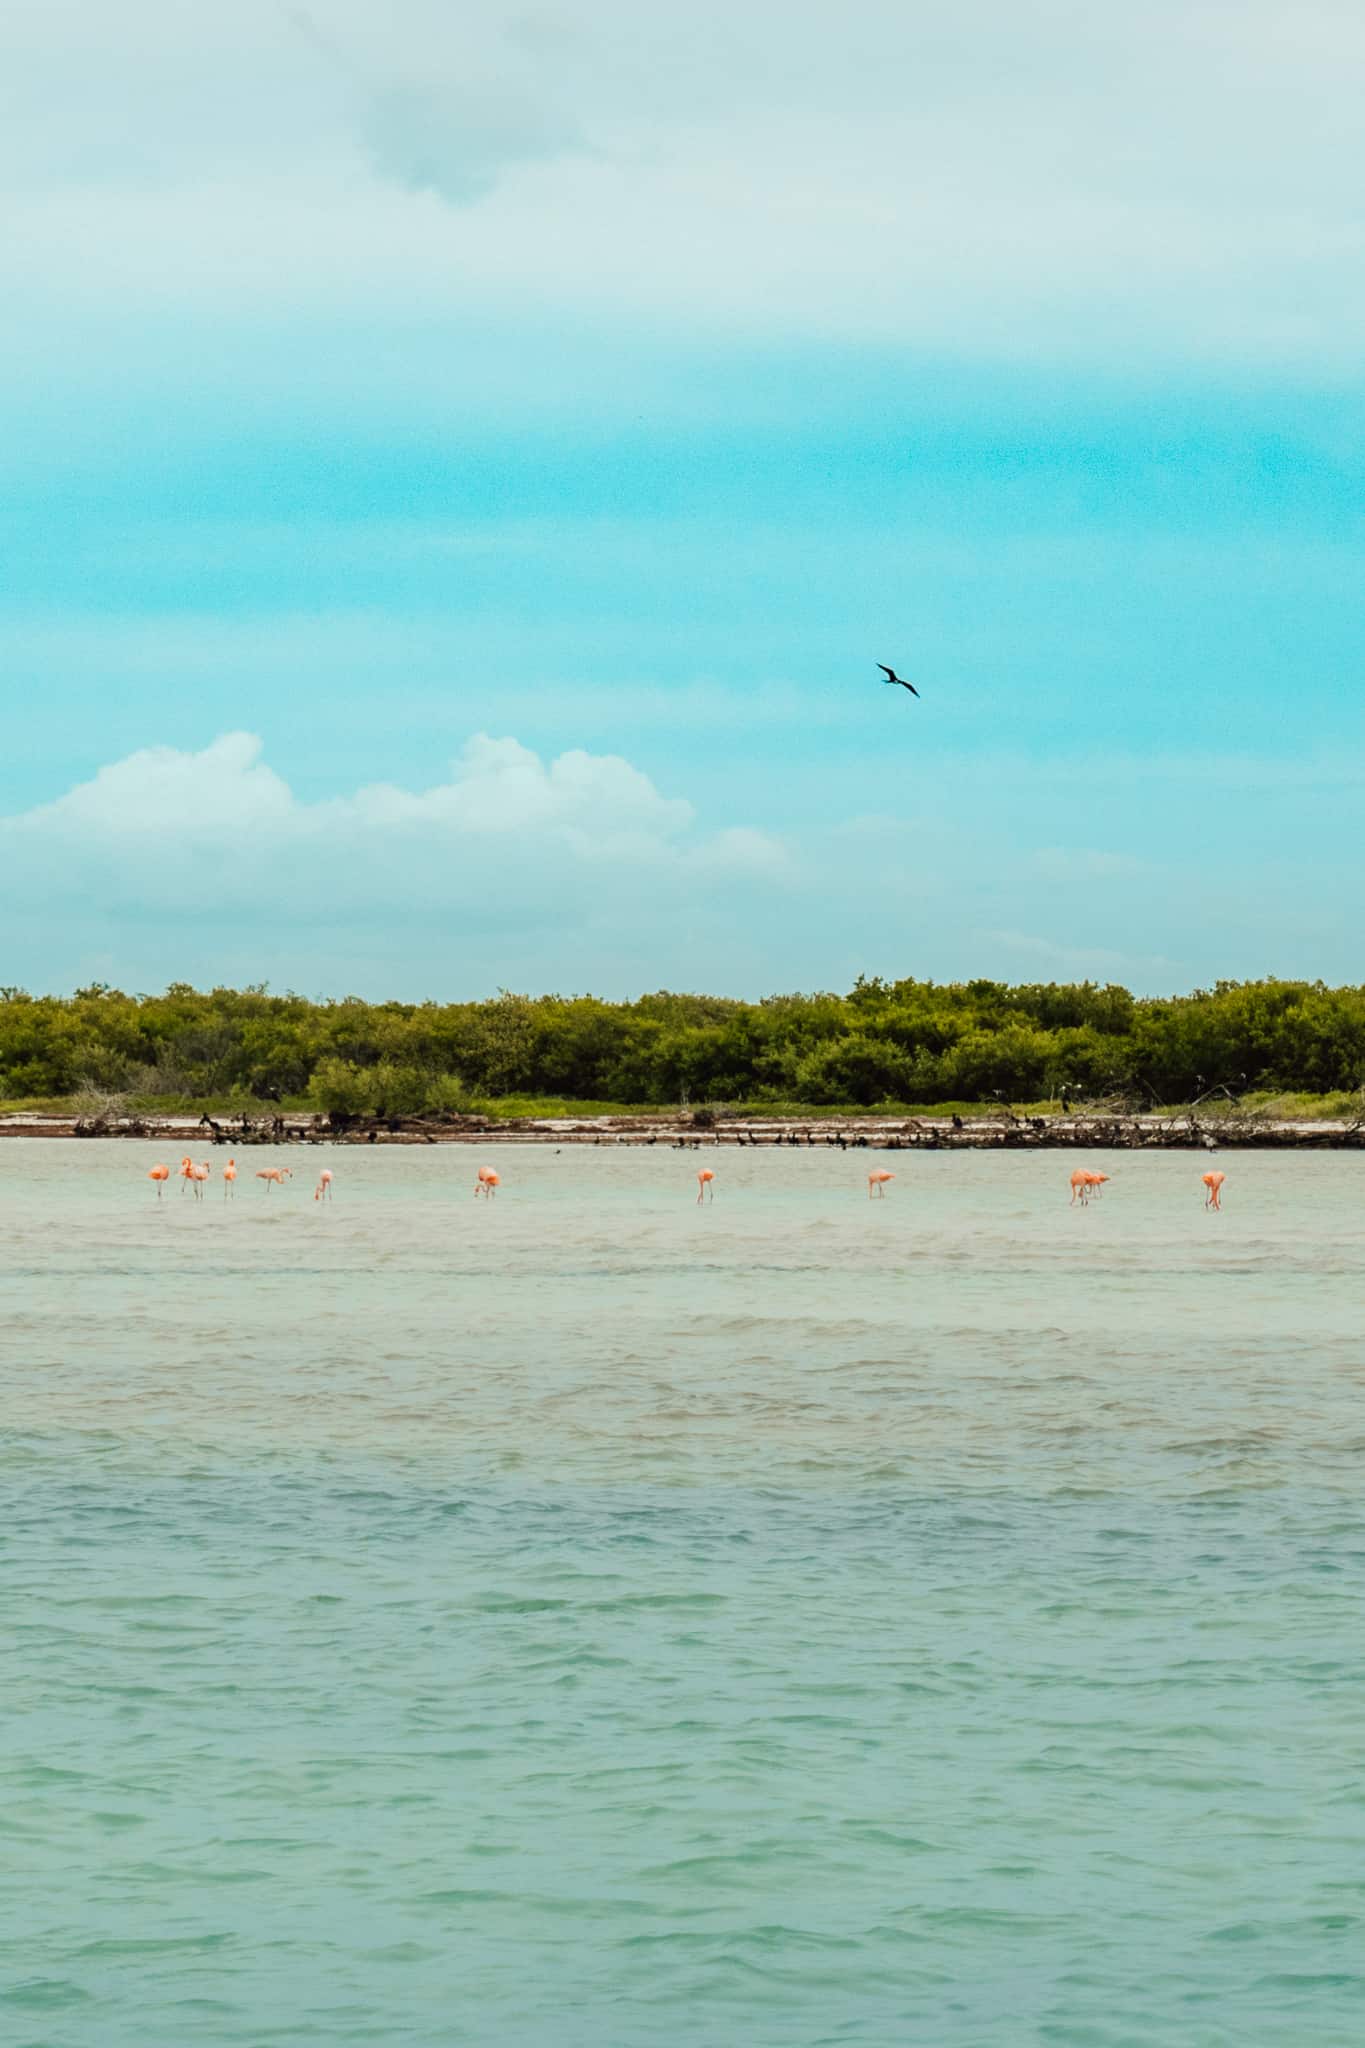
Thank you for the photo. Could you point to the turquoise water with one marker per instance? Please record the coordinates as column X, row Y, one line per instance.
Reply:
column 588, row 1618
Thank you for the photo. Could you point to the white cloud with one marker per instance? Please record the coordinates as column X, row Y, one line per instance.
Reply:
column 508, row 844
column 594, row 806
column 579, row 871
column 160, row 792
column 993, row 177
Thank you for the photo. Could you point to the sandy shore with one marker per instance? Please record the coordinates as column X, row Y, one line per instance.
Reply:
column 675, row 1128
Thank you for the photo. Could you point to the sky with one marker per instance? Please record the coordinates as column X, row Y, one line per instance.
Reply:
column 463, row 467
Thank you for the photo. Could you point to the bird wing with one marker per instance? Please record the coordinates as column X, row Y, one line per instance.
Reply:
column 907, row 686
column 889, row 673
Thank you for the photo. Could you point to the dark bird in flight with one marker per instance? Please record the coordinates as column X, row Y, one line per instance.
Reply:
column 892, row 677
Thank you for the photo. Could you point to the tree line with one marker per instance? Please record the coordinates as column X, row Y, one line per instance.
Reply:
column 898, row 1042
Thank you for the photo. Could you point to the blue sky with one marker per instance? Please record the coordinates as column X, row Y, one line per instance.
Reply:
column 460, row 483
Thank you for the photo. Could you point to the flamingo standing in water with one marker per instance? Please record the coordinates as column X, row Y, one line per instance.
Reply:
column 1214, row 1183
column 186, row 1172
column 1084, row 1184
column 877, row 1179
column 199, row 1174
column 274, row 1176
column 159, row 1174
column 229, row 1178
column 487, row 1182
column 705, row 1191
column 323, row 1191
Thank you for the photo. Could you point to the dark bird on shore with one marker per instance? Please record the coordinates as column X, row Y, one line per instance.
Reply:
column 892, row 677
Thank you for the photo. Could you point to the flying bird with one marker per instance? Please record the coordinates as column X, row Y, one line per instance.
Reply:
column 892, row 677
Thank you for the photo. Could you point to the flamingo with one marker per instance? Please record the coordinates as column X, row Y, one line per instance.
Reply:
column 323, row 1191
column 1084, row 1184
column 1214, row 1183
column 159, row 1174
column 487, row 1182
column 705, row 1191
column 186, row 1172
column 877, row 1179
column 229, row 1178
column 274, row 1176
column 202, row 1173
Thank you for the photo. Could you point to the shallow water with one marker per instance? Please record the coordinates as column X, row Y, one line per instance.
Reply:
column 590, row 1618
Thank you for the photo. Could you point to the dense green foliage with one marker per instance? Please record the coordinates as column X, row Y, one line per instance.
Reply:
column 901, row 1041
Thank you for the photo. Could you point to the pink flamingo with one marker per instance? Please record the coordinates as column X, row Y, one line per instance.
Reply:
column 705, row 1191
column 199, row 1174
column 1214, row 1183
column 877, row 1179
column 186, row 1172
column 323, row 1191
column 159, row 1174
column 487, row 1182
column 274, row 1176
column 229, row 1178
column 1084, row 1184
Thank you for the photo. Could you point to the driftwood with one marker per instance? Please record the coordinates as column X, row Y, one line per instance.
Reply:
column 1205, row 1125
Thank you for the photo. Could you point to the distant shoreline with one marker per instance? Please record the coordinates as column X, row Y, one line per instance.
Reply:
column 867, row 1132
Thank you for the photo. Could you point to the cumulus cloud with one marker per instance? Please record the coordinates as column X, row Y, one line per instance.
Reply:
column 160, row 793
column 579, row 872
column 507, row 849
column 592, row 803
